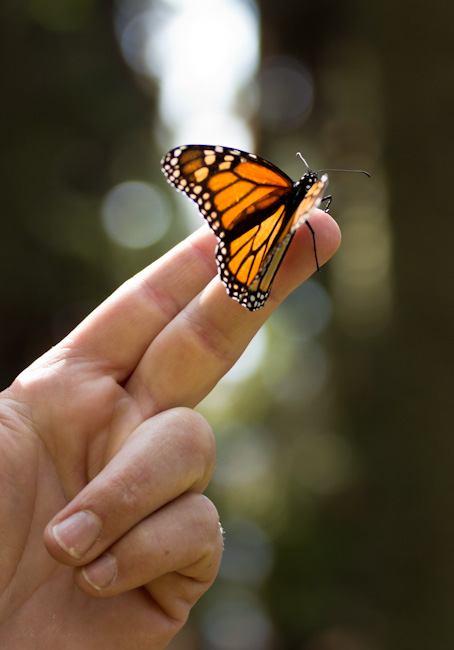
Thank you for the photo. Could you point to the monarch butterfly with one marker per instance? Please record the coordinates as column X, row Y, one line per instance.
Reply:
column 252, row 206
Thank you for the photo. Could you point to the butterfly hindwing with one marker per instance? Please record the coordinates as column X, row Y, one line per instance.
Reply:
column 253, row 207
column 250, row 282
column 243, row 260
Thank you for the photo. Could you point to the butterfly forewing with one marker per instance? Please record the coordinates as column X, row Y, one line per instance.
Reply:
column 218, row 178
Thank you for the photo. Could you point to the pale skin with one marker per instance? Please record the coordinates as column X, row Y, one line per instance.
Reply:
column 102, row 427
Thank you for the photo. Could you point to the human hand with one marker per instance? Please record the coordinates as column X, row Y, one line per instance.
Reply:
column 102, row 428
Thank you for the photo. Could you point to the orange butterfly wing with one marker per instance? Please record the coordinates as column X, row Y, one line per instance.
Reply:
column 250, row 205
column 259, row 289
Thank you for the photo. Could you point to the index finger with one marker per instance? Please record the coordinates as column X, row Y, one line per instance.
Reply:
column 120, row 330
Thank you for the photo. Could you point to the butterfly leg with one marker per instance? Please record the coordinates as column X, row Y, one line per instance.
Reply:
column 328, row 198
column 313, row 239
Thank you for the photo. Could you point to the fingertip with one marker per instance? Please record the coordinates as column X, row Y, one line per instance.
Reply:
column 327, row 233
column 301, row 260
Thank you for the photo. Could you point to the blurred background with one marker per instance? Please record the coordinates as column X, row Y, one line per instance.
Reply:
column 334, row 480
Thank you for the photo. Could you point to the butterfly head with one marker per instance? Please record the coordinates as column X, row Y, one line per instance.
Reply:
column 306, row 181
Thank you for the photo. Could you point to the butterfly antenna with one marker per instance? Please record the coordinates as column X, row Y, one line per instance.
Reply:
column 351, row 171
column 298, row 153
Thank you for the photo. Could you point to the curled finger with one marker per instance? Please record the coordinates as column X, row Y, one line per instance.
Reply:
column 174, row 554
column 165, row 457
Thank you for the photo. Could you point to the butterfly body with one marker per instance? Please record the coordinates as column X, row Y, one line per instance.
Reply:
column 252, row 206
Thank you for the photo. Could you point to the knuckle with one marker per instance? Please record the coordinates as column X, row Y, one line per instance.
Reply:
column 130, row 491
column 196, row 438
column 208, row 520
column 193, row 421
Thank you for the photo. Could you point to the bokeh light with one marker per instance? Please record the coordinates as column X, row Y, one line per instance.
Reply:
column 286, row 89
column 199, row 83
column 202, row 77
column 135, row 214
column 248, row 555
column 246, row 455
column 239, row 623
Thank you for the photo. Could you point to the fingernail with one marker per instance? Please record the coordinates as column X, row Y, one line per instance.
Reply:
column 77, row 534
column 100, row 573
